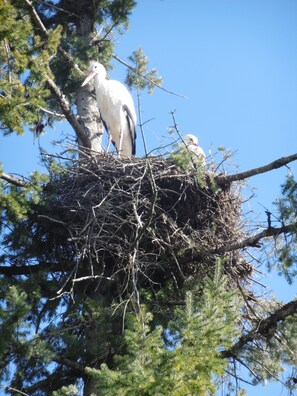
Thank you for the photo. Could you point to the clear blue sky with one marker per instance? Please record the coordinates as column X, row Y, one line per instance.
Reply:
column 236, row 61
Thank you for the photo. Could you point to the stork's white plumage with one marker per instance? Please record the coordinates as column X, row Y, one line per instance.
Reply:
column 116, row 108
column 191, row 142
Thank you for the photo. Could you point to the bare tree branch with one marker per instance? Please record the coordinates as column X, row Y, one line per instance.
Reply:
column 36, row 17
column 262, row 328
column 256, row 171
column 70, row 363
column 252, row 241
column 9, row 388
column 255, row 239
column 52, row 113
column 16, row 181
column 33, row 269
column 46, row 4
column 53, row 381
column 64, row 104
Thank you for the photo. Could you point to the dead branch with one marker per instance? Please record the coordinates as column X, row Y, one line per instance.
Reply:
column 254, row 240
column 262, row 328
column 222, row 179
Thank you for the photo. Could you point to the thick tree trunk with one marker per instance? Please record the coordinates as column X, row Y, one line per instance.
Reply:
column 89, row 387
column 86, row 103
column 89, row 117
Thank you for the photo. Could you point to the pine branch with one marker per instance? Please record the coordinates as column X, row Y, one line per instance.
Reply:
column 63, row 102
column 262, row 328
column 16, row 181
column 40, row 25
column 256, row 171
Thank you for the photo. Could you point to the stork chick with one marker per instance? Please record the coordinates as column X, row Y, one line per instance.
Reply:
column 191, row 142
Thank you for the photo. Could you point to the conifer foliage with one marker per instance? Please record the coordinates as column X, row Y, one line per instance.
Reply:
column 172, row 309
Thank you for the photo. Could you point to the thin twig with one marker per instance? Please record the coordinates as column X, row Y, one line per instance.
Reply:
column 146, row 78
column 57, row 8
column 52, row 113
column 9, row 388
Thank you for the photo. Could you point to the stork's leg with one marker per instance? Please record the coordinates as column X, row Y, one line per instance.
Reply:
column 108, row 143
column 120, row 143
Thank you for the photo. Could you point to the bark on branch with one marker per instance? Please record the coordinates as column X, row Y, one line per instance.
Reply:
column 262, row 328
column 257, row 171
column 16, row 181
column 34, row 269
column 70, row 363
column 254, row 240
column 65, row 107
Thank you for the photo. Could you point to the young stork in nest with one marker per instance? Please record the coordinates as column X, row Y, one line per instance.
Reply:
column 191, row 142
column 116, row 108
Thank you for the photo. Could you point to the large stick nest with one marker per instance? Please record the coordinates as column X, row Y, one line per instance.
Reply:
column 145, row 222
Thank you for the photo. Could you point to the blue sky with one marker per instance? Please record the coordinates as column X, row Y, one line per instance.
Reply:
column 236, row 62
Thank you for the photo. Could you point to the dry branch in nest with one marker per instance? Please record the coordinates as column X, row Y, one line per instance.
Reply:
column 143, row 223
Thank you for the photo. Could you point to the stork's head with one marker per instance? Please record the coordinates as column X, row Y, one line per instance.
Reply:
column 96, row 69
column 190, row 139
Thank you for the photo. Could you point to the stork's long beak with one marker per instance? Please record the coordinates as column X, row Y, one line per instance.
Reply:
column 89, row 78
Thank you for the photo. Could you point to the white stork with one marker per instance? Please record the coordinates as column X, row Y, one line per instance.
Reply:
column 191, row 143
column 116, row 108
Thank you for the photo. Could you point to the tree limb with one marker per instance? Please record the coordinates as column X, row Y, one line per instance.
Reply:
column 70, row 363
column 40, row 25
column 46, row 4
column 64, row 104
column 222, row 179
column 34, row 269
column 262, row 328
column 53, row 381
column 16, row 181
column 253, row 241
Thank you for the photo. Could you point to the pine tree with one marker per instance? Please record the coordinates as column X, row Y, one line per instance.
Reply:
column 116, row 277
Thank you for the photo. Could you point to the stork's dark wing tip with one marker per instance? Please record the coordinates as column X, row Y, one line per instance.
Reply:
column 134, row 143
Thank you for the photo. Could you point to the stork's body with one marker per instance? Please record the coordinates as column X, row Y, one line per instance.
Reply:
column 116, row 108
